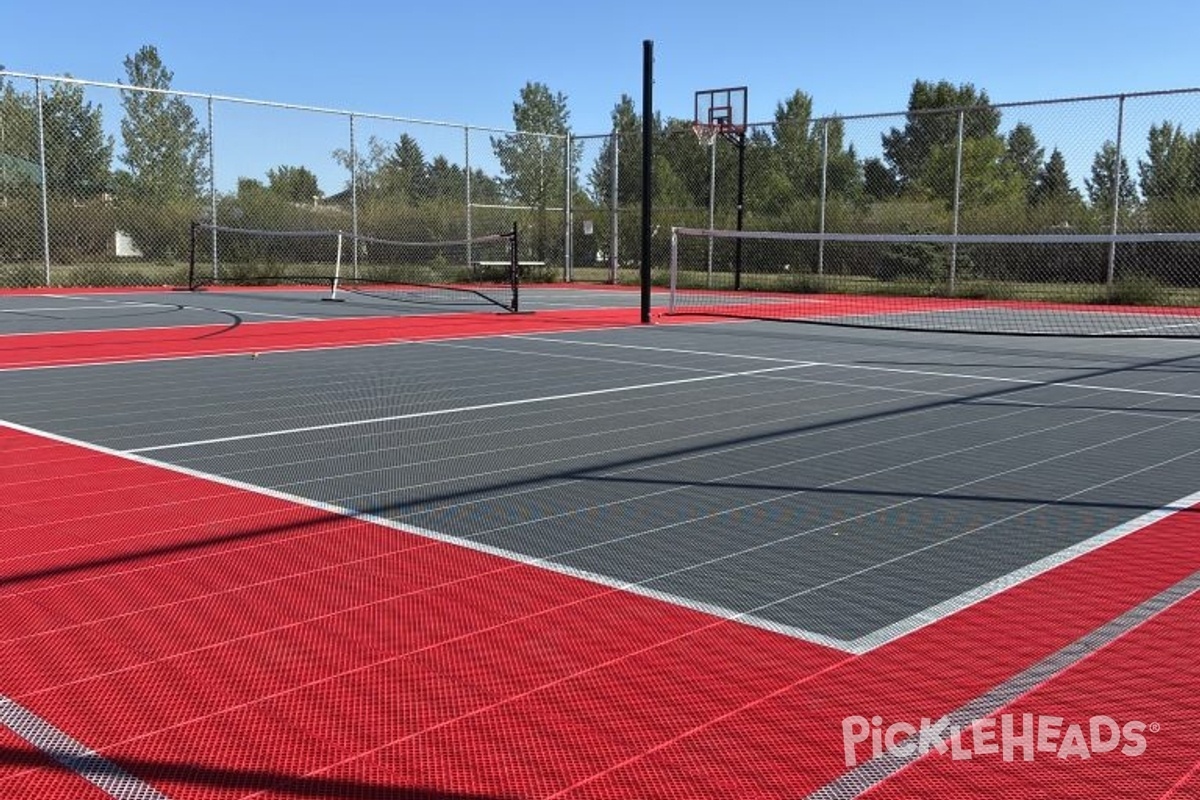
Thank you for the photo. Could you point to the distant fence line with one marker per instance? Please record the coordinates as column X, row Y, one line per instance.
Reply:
column 84, row 200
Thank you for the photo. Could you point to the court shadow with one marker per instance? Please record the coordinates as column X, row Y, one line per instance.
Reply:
column 228, row 780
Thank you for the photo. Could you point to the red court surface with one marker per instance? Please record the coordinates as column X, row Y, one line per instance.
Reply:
column 219, row 642
column 86, row 347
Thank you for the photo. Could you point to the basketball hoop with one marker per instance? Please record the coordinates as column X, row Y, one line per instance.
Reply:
column 706, row 134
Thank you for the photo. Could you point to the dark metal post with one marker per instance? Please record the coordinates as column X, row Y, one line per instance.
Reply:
column 741, row 207
column 647, row 170
column 514, row 269
column 192, row 256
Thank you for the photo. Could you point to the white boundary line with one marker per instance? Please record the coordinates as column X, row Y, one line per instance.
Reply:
column 72, row 754
column 1018, row 576
column 509, row 555
column 865, row 368
column 463, row 409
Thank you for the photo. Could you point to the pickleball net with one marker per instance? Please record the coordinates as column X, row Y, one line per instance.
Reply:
column 1059, row 284
column 482, row 270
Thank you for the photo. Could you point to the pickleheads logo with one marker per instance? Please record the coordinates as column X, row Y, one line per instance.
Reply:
column 1008, row 736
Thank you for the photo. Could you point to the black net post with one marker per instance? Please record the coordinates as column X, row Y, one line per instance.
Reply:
column 514, row 269
column 191, row 282
column 647, row 171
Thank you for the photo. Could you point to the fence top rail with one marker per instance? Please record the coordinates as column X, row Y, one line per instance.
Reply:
column 124, row 87
column 1090, row 98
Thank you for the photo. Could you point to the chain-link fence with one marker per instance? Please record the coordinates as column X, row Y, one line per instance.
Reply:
column 1110, row 165
column 99, row 182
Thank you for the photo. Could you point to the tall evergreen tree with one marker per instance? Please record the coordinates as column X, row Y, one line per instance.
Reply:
column 1110, row 180
column 403, row 173
column 1024, row 155
column 932, row 125
column 78, row 153
column 879, row 182
column 798, row 145
column 1052, row 186
column 627, row 142
column 18, row 139
column 1168, row 170
column 535, row 167
column 166, row 149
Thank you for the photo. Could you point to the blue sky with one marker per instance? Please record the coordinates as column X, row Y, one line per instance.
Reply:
column 466, row 62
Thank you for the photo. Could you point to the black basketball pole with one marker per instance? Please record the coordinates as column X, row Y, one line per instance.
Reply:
column 647, row 170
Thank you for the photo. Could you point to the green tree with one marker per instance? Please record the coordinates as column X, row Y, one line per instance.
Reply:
column 297, row 184
column 879, row 181
column 844, row 171
column 534, row 159
column 1023, row 155
column 1110, row 180
column 932, row 126
column 986, row 179
column 798, row 144
column 165, row 148
column 1052, row 187
column 18, row 139
column 403, row 173
column 78, row 154
column 1167, row 173
column 363, row 166
column 627, row 141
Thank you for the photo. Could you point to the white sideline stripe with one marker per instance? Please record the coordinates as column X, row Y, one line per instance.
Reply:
column 864, row 368
column 415, row 530
column 73, row 754
column 464, row 409
column 987, row 590
column 75, row 308
column 859, row 646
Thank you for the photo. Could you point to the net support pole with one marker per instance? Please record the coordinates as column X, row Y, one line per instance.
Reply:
column 337, row 267
column 514, row 270
column 675, row 269
column 191, row 280
column 647, row 171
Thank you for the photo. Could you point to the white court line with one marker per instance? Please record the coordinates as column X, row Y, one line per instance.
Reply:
column 73, row 755
column 464, row 409
column 47, row 309
column 1018, row 576
column 403, row 527
column 1195, row 323
column 865, row 368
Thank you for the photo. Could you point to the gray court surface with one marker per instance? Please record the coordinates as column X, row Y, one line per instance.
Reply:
column 844, row 486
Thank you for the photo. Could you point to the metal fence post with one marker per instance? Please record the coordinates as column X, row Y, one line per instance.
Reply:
column 958, row 156
column 467, row 174
column 824, row 194
column 354, row 195
column 212, row 186
column 37, row 87
column 1116, row 192
column 569, row 181
column 613, row 256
